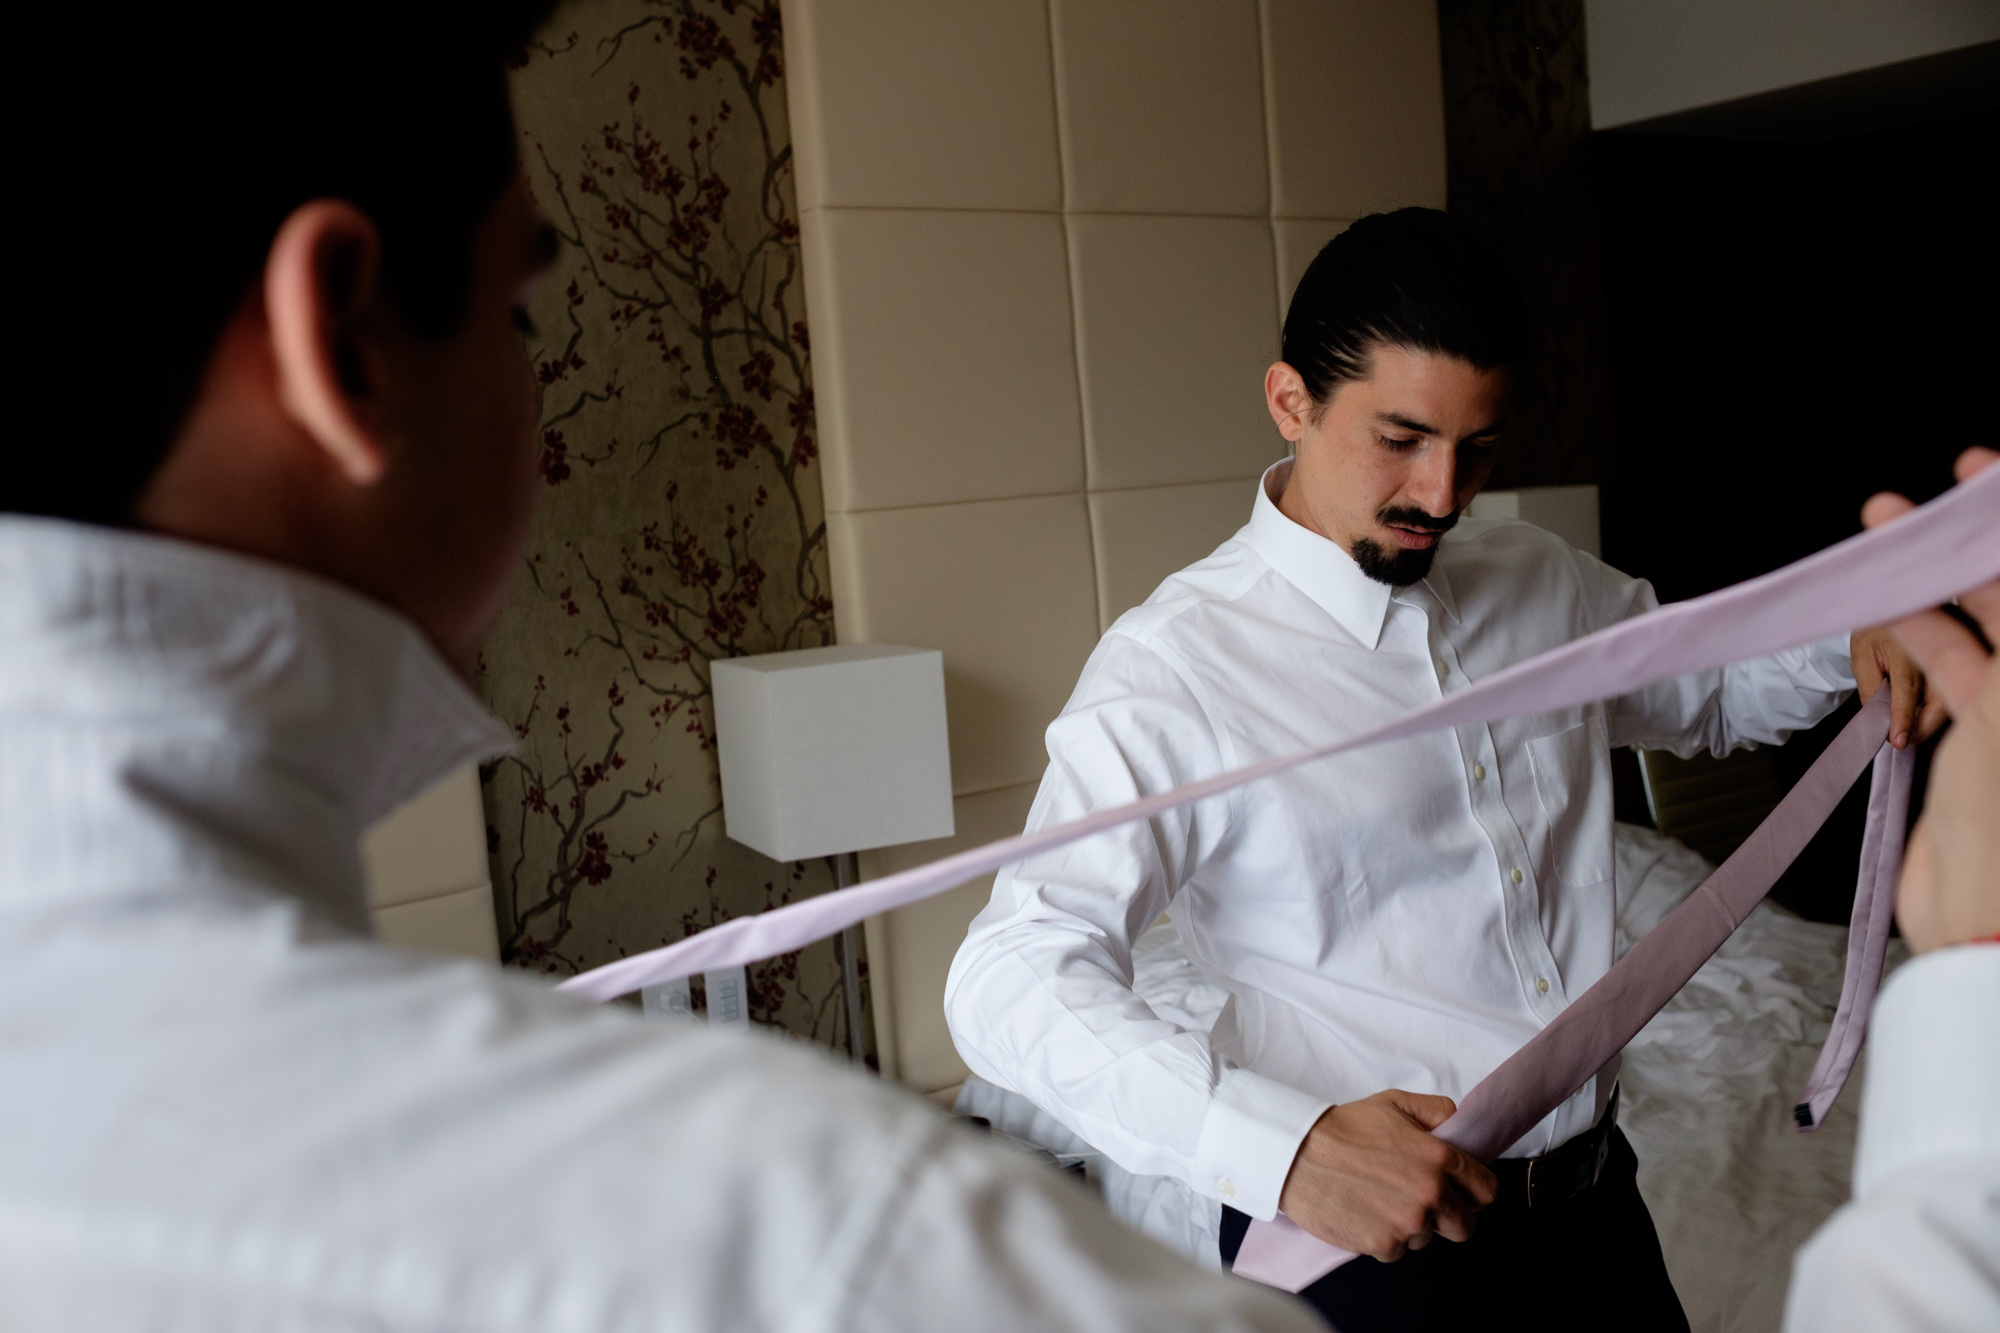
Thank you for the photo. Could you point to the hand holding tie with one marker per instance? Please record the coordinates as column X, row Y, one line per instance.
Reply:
column 1371, row 1178
column 1949, row 892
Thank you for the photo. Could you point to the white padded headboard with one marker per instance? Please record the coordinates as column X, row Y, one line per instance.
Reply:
column 428, row 879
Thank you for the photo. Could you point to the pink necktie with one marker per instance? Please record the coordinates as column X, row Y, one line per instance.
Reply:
column 1867, row 931
column 1559, row 1059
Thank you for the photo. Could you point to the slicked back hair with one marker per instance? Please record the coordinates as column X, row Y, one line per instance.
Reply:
column 1414, row 278
column 156, row 163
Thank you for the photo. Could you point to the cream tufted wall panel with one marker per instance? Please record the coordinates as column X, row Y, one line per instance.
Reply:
column 1048, row 246
column 428, row 885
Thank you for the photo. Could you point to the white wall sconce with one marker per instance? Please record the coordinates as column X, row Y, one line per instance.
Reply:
column 826, row 752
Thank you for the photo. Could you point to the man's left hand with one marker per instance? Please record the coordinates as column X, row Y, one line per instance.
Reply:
column 1879, row 657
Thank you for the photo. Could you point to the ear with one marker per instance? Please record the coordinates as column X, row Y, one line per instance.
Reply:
column 1285, row 394
column 320, row 289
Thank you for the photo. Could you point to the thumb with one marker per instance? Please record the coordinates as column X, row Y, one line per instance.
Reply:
column 1865, row 654
column 1426, row 1110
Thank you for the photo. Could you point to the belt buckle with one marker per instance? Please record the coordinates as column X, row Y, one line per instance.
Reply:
column 1537, row 1178
column 1549, row 1184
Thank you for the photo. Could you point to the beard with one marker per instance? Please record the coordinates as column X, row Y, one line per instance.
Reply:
column 1401, row 566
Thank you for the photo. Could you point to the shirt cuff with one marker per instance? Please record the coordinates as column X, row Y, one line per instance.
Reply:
column 1834, row 658
column 1249, row 1137
column 1933, row 1065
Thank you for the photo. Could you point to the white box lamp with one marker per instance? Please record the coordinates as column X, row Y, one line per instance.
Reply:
column 826, row 751
column 829, row 752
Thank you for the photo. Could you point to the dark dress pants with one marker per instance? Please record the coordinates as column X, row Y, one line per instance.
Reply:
column 1590, row 1262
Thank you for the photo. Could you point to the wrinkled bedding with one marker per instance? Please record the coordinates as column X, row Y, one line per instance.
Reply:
column 1709, row 1087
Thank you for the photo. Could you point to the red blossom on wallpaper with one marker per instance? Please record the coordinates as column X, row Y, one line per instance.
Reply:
column 555, row 458
column 595, row 864
column 704, row 539
column 756, row 374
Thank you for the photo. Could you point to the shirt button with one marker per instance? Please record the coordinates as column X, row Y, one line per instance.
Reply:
column 1444, row 668
column 1226, row 1188
column 1516, row 873
column 1479, row 772
column 1541, row 985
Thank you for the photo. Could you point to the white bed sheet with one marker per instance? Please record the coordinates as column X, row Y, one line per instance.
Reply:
column 1709, row 1087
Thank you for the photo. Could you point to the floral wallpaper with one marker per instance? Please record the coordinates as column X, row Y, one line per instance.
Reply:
column 1518, row 172
column 681, row 520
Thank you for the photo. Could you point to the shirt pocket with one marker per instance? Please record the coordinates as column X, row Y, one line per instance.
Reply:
column 1573, row 785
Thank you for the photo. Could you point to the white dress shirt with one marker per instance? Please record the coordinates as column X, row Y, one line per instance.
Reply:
column 1403, row 916
column 1918, row 1250
column 222, row 1108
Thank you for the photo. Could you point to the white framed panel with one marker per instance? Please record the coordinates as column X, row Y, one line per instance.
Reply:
column 459, row 923
column 1160, row 106
column 942, row 358
column 914, row 104
column 1354, row 99
column 1299, row 241
column 1176, row 322
column 1004, row 588
column 1140, row 537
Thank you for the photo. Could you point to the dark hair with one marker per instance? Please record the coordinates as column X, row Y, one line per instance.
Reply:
column 157, row 158
column 1414, row 278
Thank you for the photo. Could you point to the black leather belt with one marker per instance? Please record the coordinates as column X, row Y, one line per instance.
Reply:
column 1552, row 1178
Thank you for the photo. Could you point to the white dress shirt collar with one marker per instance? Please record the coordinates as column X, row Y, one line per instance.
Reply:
column 1320, row 569
column 155, row 688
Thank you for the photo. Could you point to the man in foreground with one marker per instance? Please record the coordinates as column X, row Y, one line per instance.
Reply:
column 1391, row 923
column 241, row 580
column 1918, row 1251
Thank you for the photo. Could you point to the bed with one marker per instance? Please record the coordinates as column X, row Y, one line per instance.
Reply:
column 1708, row 1092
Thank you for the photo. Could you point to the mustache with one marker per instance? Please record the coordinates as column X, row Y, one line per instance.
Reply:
column 1408, row 516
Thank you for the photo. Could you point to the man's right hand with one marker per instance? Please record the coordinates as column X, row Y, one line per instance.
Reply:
column 1949, row 892
column 1371, row 1178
